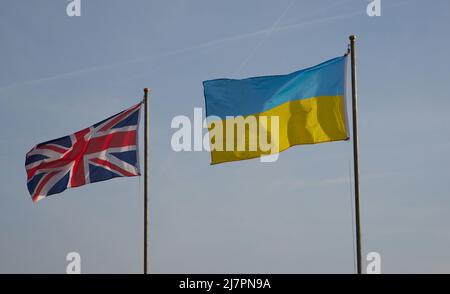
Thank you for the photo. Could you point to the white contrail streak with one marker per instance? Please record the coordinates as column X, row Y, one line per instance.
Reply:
column 267, row 35
column 268, row 31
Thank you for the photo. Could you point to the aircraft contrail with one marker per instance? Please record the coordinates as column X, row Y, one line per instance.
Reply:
column 267, row 31
column 267, row 35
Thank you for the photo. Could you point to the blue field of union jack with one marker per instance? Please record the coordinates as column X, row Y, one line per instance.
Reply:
column 103, row 151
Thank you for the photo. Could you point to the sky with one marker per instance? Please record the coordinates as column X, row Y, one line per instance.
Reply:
column 60, row 74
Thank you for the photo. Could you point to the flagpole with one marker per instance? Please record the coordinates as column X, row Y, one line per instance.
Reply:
column 355, row 154
column 146, row 90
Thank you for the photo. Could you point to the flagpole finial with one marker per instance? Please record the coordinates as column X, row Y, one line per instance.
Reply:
column 146, row 90
column 352, row 37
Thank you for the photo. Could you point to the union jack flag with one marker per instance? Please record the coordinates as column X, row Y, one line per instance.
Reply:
column 101, row 152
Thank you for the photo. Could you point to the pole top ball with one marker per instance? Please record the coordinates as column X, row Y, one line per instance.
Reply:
column 352, row 37
column 146, row 90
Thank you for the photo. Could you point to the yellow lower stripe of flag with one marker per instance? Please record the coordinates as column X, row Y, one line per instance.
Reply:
column 298, row 122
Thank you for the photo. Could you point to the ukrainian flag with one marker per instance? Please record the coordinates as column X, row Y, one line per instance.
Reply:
column 309, row 105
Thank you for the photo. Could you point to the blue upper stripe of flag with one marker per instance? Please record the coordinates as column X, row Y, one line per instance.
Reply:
column 230, row 97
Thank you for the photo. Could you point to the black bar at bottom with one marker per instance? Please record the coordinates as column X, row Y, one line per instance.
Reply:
column 224, row 283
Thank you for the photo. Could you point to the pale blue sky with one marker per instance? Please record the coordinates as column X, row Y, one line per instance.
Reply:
column 60, row 74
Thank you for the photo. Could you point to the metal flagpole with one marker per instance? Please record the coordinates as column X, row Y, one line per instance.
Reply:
column 146, row 90
column 355, row 154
